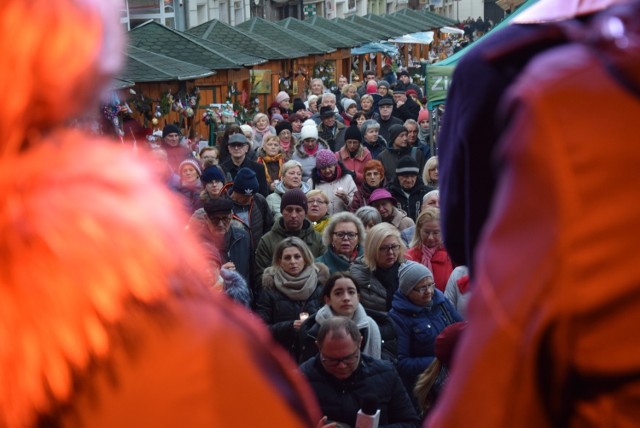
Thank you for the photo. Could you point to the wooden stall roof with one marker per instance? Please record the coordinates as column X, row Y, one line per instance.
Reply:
column 351, row 33
column 281, row 35
column 421, row 20
column 371, row 33
column 387, row 31
column 249, row 43
column 144, row 66
column 329, row 38
column 157, row 38
column 434, row 20
column 117, row 84
column 406, row 24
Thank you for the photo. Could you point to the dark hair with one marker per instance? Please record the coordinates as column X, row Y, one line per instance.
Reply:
column 357, row 115
column 331, row 282
column 231, row 129
column 339, row 327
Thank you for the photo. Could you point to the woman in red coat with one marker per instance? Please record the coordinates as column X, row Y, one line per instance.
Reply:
column 427, row 247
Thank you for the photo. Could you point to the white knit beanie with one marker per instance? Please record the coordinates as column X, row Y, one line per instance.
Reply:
column 309, row 131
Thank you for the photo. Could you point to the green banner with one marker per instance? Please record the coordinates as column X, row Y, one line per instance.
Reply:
column 437, row 83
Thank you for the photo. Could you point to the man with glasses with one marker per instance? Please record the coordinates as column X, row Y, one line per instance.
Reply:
column 341, row 377
column 238, row 146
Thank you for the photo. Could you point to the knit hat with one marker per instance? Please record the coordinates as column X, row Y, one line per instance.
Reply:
column 309, row 122
column 210, row 174
column 282, row 96
column 400, row 88
column 237, row 138
column 325, row 158
column 380, row 195
column 218, row 206
column 383, row 83
column 246, row 182
column 411, row 92
column 409, row 274
column 372, row 87
column 246, row 129
column 347, row 102
column 281, row 126
column 326, row 112
column 395, row 131
column 352, row 133
column 293, row 197
column 193, row 162
column 308, row 131
column 385, row 101
column 277, row 117
column 298, row 104
column 447, row 341
column 423, row 115
column 273, row 105
column 407, row 165
column 403, row 73
column 170, row 129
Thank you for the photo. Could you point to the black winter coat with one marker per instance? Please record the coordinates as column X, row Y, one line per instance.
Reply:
column 340, row 400
column 279, row 312
column 410, row 204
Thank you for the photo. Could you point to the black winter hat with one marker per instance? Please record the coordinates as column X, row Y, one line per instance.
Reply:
column 246, row 182
column 394, row 131
column 210, row 174
column 353, row 133
column 281, row 126
column 298, row 104
column 170, row 129
column 217, row 206
column 293, row 197
column 326, row 111
column 407, row 166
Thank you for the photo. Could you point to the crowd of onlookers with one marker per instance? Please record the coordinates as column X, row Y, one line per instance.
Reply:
column 328, row 208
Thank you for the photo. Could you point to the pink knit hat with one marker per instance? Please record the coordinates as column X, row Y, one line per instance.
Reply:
column 423, row 115
column 372, row 87
column 325, row 158
column 282, row 96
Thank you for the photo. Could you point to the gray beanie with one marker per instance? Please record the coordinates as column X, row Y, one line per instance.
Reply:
column 409, row 274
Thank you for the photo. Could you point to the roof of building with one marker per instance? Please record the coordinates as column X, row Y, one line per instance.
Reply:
column 144, row 66
column 279, row 34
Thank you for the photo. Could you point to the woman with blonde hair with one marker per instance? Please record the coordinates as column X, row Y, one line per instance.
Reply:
column 376, row 272
column 291, row 289
column 271, row 157
column 261, row 128
column 430, row 172
column 427, row 248
column 290, row 178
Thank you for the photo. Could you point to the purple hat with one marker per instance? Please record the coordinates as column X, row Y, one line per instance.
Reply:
column 380, row 195
column 325, row 158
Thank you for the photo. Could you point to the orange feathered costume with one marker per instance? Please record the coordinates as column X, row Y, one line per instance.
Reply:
column 106, row 319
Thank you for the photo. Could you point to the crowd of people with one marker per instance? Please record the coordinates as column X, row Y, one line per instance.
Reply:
column 331, row 211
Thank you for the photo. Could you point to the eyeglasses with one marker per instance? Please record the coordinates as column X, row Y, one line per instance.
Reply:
column 425, row 289
column 236, row 145
column 335, row 362
column 316, row 202
column 350, row 235
column 220, row 219
column 389, row 248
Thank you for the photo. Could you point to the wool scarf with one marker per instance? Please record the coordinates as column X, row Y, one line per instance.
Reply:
column 373, row 345
column 427, row 254
column 298, row 288
column 266, row 160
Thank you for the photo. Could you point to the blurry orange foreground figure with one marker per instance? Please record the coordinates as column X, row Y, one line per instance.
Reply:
column 106, row 319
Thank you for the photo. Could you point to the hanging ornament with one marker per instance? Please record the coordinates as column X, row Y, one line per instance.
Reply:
column 154, row 121
column 188, row 112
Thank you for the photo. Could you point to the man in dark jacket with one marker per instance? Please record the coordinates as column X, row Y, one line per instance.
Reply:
column 405, row 79
column 250, row 208
column 404, row 107
column 293, row 207
column 408, row 188
column 387, row 120
column 238, row 147
column 330, row 131
column 341, row 377
column 396, row 149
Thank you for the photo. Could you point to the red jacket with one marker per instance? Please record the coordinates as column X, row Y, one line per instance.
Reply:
column 441, row 264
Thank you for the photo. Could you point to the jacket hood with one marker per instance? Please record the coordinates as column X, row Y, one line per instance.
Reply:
column 402, row 304
column 321, row 146
column 280, row 189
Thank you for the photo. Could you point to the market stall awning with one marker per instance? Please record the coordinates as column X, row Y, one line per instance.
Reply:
column 375, row 47
column 423, row 38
